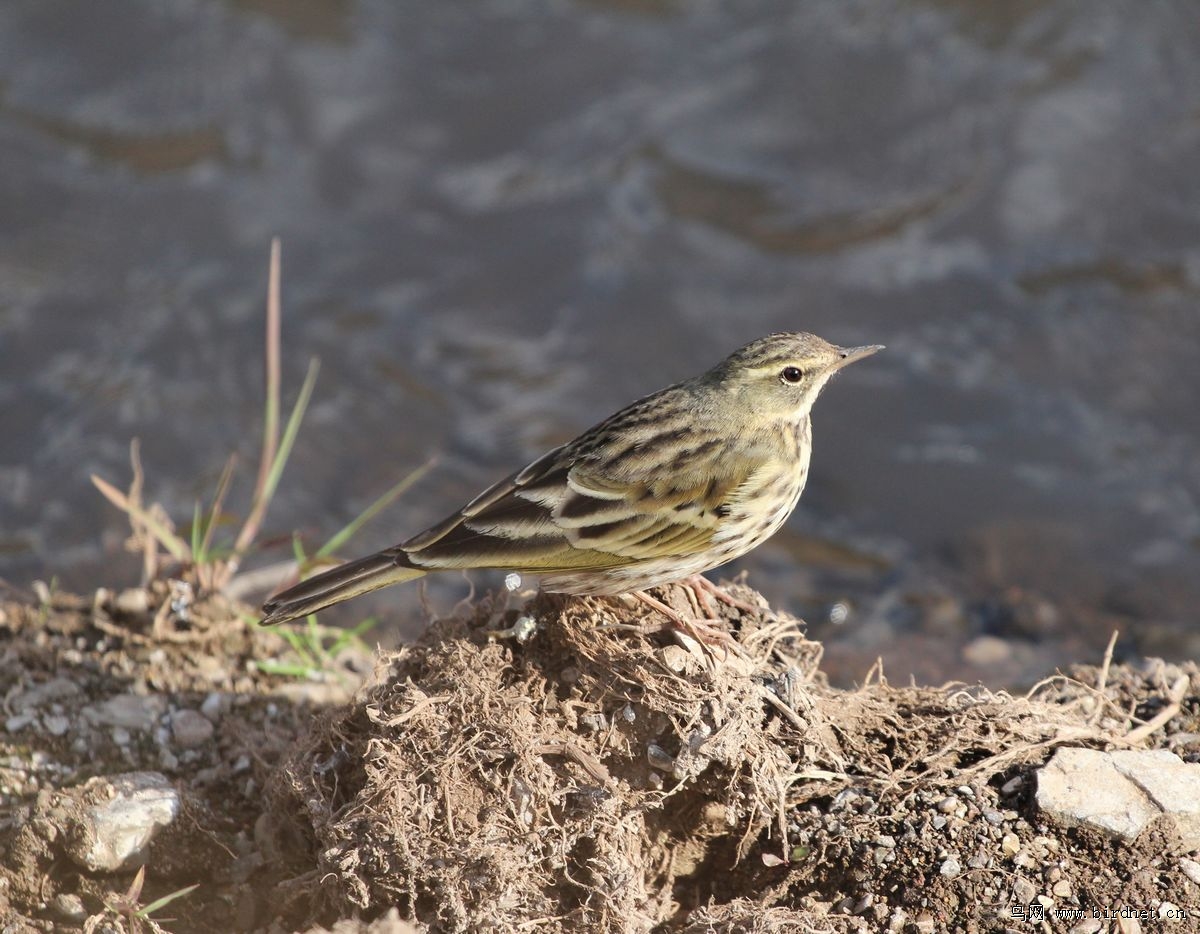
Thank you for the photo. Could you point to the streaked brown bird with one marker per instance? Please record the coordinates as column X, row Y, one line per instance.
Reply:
column 679, row 482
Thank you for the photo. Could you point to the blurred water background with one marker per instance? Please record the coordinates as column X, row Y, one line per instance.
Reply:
column 504, row 219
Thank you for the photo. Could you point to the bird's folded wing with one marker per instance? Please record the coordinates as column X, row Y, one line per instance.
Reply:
column 551, row 516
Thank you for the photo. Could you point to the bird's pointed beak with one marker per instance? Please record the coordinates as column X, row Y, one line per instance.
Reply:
column 850, row 354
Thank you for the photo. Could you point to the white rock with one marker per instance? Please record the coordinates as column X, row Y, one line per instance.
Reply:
column 123, row 814
column 1120, row 792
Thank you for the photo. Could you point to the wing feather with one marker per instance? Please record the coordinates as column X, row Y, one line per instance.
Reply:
column 662, row 495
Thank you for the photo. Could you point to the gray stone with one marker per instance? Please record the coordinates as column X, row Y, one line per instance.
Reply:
column 190, row 729
column 120, row 816
column 127, row 711
column 215, row 706
column 1121, row 792
column 950, row 868
column 18, row 721
column 36, row 696
column 69, row 907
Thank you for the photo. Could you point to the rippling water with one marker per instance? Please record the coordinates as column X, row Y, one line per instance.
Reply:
column 503, row 220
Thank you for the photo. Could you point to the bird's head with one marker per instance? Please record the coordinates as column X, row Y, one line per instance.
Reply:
column 782, row 374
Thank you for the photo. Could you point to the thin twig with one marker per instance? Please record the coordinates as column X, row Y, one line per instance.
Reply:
column 1174, row 700
column 149, row 546
column 270, row 445
column 271, row 419
column 1102, row 679
column 178, row 548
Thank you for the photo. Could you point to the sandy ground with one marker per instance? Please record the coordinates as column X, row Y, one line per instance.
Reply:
column 586, row 769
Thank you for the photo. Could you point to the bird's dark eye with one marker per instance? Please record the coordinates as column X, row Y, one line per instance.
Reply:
column 791, row 374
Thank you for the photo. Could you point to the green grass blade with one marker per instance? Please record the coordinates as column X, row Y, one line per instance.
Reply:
column 292, row 429
column 351, row 529
column 197, row 537
column 204, row 553
column 147, row 910
column 263, row 496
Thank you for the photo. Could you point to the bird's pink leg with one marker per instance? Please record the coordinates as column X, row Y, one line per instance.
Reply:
column 698, row 629
column 702, row 586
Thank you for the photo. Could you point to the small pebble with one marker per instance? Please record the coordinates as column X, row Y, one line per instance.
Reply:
column 1191, row 869
column 56, row 725
column 950, row 868
column 69, row 907
column 659, row 758
column 133, row 602
column 676, row 658
column 17, row 722
column 1061, row 888
column 947, row 804
column 214, row 706
column 190, row 729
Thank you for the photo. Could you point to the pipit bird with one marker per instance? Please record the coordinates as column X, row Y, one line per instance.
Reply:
column 679, row 482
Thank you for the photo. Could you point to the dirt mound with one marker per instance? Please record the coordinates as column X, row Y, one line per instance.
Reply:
column 572, row 766
column 594, row 778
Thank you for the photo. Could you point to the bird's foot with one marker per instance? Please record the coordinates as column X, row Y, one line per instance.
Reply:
column 702, row 587
column 701, row 630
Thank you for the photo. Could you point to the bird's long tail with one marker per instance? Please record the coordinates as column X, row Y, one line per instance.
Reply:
column 341, row 583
